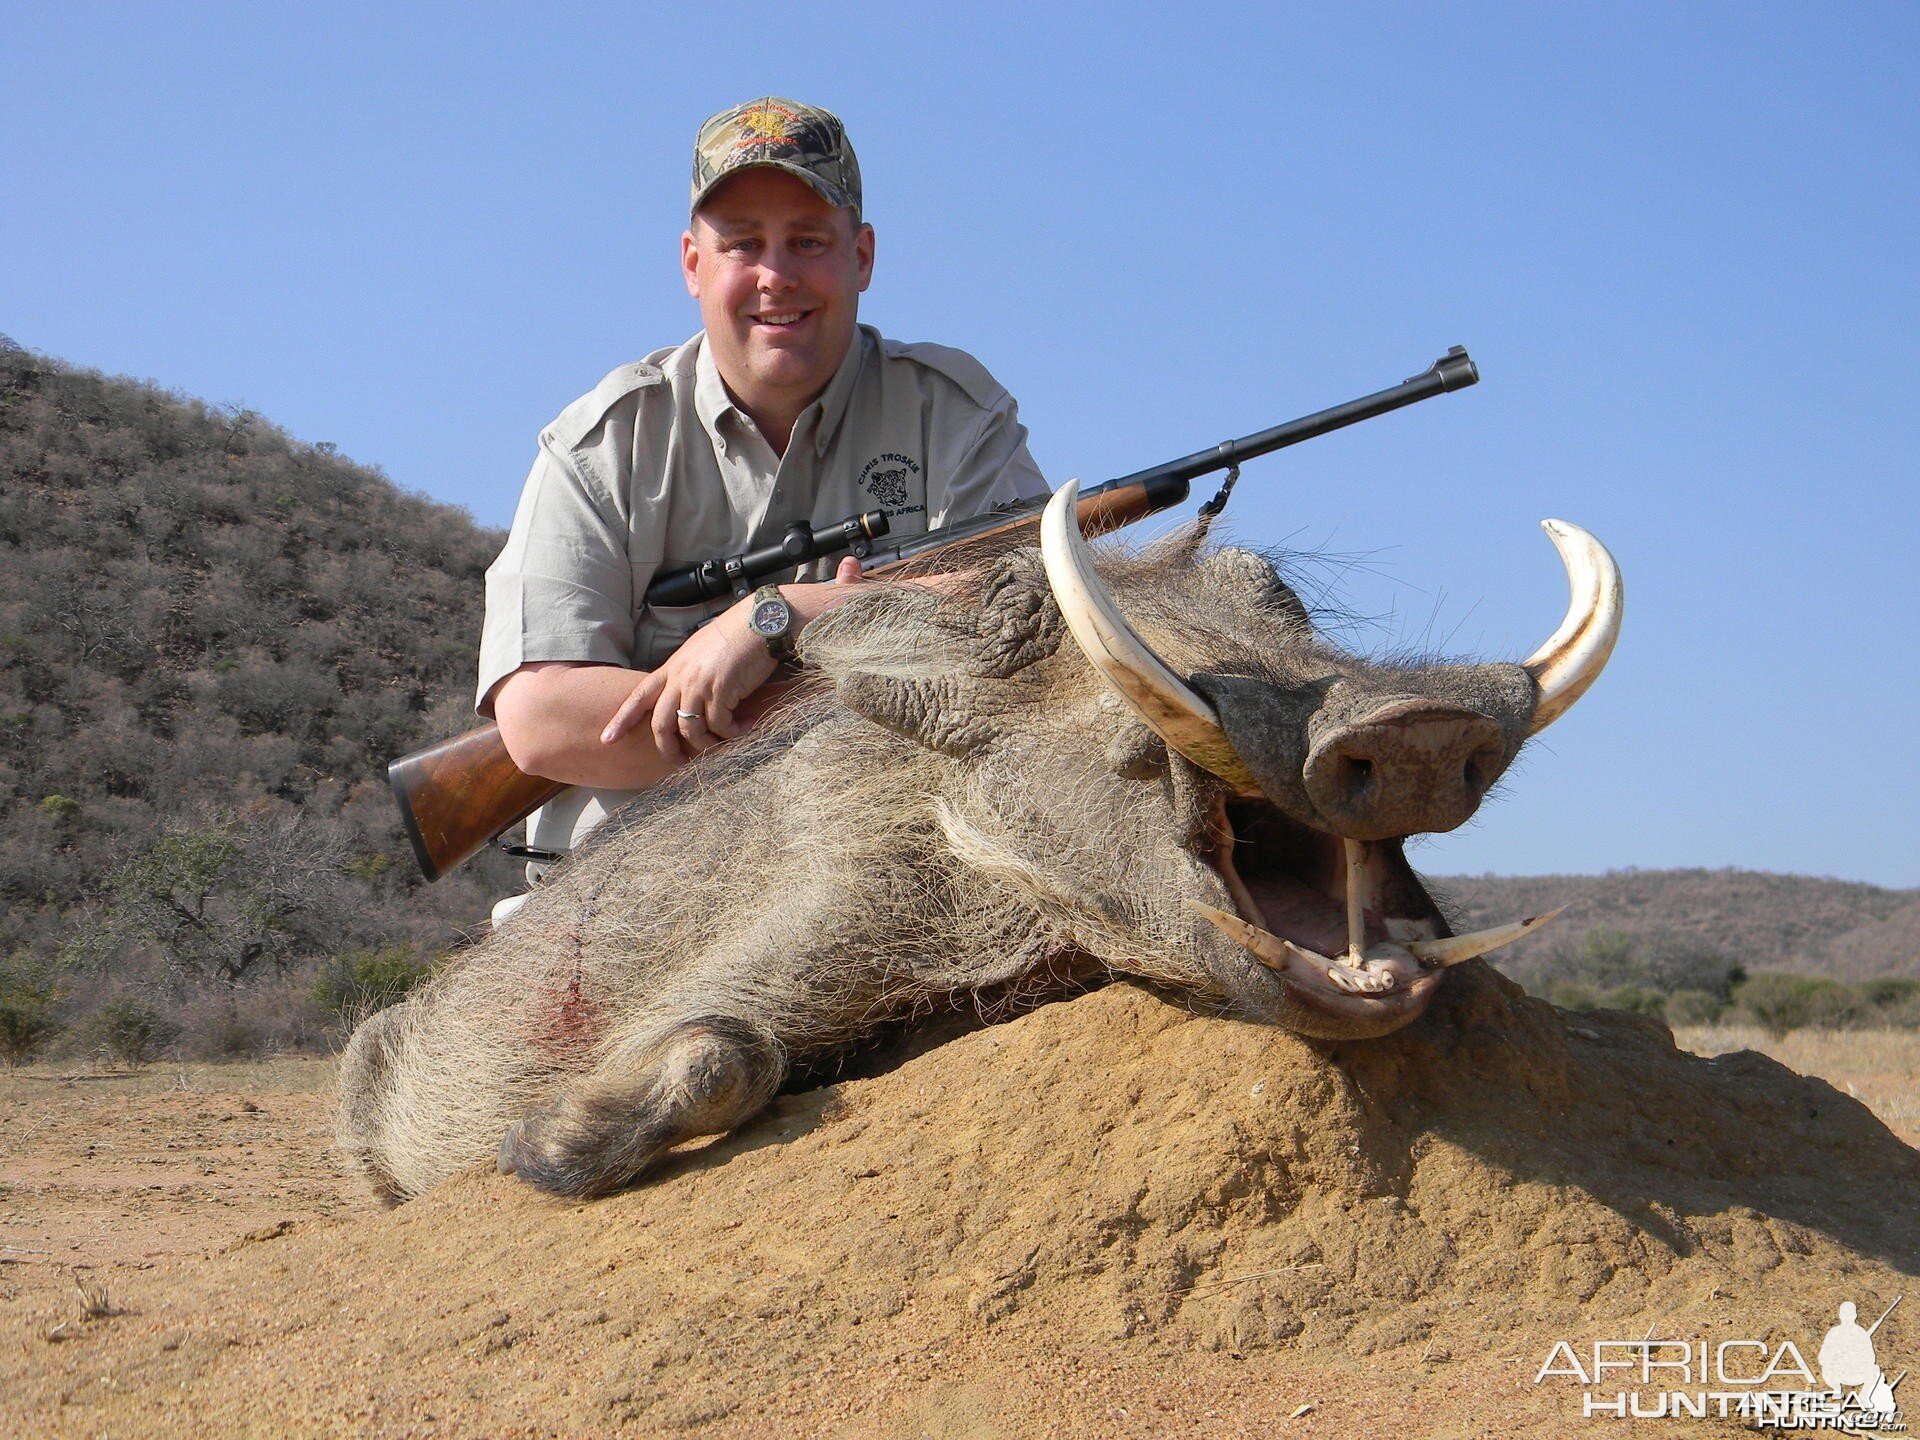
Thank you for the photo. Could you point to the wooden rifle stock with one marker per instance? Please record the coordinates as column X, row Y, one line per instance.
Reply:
column 458, row 796
column 455, row 797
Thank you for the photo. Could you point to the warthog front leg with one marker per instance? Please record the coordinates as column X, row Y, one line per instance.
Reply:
column 702, row 1078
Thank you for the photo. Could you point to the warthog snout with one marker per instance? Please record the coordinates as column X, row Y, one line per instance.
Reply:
column 1410, row 766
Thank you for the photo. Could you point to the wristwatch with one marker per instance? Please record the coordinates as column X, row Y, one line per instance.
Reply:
column 771, row 618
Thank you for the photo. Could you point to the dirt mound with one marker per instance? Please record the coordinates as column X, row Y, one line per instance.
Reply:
column 1013, row 1233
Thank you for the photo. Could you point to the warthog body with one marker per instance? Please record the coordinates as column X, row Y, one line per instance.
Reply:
column 962, row 806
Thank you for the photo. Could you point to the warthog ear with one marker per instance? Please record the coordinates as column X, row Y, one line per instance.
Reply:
column 943, row 670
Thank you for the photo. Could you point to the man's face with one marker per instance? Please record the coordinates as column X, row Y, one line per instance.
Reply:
column 778, row 273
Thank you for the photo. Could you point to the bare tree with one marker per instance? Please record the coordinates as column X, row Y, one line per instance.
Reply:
column 226, row 899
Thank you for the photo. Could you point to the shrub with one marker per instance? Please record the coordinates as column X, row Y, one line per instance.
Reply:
column 1834, row 1006
column 362, row 981
column 1779, row 1002
column 131, row 1031
column 1692, row 1007
column 1638, row 999
column 25, row 1025
column 218, row 1031
column 1892, row 1002
column 27, row 1019
column 1571, row 995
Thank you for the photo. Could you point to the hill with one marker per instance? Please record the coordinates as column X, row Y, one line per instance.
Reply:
column 1841, row 929
column 212, row 639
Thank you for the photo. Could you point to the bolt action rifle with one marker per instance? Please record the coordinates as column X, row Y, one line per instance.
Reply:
column 459, row 795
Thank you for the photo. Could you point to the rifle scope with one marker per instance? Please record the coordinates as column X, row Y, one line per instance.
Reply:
column 736, row 574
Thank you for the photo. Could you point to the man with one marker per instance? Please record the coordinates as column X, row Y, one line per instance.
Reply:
column 782, row 409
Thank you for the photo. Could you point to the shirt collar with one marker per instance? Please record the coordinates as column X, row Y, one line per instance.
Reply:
column 712, row 403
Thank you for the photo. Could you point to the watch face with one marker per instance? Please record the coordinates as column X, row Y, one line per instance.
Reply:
column 771, row 617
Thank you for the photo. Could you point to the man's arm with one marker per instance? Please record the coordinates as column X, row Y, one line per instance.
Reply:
column 619, row 729
column 550, row 714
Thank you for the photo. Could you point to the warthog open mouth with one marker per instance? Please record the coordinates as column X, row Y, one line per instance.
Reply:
column 1346, row 924
column 1340, row 918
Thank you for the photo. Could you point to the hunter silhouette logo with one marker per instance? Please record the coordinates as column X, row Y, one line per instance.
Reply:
column 1847, row 1362
column 1763, row 1383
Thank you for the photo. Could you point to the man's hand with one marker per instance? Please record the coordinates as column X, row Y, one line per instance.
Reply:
column 689, row 702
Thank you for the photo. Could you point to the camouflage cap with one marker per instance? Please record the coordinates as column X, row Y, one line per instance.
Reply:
column 806, row 142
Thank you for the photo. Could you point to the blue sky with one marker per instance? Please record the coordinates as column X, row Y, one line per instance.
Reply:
column 1680, row 240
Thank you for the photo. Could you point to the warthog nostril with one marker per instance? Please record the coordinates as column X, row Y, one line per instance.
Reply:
column 1408, row 766
column 1353, row 774
column 1483, row 767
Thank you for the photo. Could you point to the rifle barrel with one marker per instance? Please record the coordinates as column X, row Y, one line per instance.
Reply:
column 1161, row 487
column 1883, row 1315
column 1453, row 371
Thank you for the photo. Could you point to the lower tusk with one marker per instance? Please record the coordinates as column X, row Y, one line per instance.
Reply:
column 1455, row 948
column 1283, row 955
column 1270, row 949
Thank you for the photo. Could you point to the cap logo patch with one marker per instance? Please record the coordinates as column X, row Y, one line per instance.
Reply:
column 768, row 125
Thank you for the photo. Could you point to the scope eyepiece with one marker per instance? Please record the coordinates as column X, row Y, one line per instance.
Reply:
column 738, row 574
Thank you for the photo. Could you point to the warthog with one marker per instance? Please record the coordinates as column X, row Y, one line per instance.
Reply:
column 988, row 793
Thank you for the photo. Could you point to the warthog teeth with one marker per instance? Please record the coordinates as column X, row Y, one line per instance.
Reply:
column 1163, row 701
column 1281, row 955
column 1354, row 980
column 1455, row 948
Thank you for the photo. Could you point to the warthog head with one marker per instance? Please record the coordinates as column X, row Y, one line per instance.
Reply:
column 1195, row 788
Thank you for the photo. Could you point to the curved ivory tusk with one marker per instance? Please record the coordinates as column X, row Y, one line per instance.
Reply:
column 1283, row 955
column 1577, row 652
column 1455, row 948
column 1165, row 702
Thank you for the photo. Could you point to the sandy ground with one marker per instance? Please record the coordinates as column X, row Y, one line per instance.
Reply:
column 181, row 1253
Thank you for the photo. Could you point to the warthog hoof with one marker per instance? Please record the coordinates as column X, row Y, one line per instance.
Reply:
column 508, row 1162
column 530, row 1150
column 702, row 1078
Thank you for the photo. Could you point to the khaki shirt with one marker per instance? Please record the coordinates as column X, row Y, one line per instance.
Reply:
column 656, row 468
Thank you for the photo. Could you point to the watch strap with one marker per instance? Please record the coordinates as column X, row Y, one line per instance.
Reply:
column 780, row 644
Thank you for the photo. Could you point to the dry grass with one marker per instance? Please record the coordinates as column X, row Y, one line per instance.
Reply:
column 1879, row 1068
column 95, row 1302
column 299, row 1074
